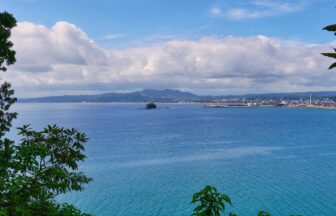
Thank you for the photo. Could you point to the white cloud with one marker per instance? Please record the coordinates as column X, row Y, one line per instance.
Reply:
column 113, row 36
column 216, row 11
column 255, row 9
column 62, row 59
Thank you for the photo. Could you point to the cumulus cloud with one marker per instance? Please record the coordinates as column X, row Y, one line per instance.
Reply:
column 63, row 59
column 255, row 8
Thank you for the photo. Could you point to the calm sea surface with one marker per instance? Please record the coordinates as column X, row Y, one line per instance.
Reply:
column 150, row 162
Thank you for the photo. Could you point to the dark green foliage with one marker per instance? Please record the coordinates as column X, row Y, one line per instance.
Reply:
column 264, row 213
column 331, row 55
column 211, row 202
column 44, row 163
column 6, row 100
column 331, row 28
column 7, row 54
column 48, row 159
column 68, row 210
column 333, row 65
column 49, row 209
column 151, row 106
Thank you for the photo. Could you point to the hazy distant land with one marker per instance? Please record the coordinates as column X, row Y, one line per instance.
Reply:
column 169, row 95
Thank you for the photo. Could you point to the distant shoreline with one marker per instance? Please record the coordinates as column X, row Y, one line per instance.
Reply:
column 177, row 96
column 181, row 103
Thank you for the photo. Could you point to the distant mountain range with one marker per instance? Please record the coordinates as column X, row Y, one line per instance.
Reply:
column 169, row 95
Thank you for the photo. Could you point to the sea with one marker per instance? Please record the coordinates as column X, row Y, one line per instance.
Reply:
column 151, row 162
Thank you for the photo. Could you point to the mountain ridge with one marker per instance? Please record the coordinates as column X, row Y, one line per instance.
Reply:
column 170, row 95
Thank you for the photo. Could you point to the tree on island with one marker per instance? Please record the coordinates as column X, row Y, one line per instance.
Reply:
column 151, row 106
column 43, row 164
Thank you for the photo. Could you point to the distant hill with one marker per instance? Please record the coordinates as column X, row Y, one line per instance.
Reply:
column 169, row 95
column 146, row 95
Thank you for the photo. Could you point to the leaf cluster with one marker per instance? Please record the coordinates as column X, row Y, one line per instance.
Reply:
column 41, row 166
column 49, row 159
column 7, row 54
column 49, row 209
column 331, row 28
column 211, row 202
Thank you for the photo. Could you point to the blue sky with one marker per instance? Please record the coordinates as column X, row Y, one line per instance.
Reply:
column 128, row 22
column 202, row 46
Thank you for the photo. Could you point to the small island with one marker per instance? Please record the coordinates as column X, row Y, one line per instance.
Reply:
column 151, row 106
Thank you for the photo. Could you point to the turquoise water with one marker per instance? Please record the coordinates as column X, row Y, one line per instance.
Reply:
column 150, row 162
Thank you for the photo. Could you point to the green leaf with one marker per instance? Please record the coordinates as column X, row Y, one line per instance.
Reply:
column 332, row 66
column 330, row 28
column 331, row 55
column 227, row 198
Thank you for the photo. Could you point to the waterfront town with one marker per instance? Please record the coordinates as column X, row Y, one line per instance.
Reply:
column 323, row 103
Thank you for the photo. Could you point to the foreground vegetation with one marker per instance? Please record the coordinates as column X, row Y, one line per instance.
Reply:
column 212, row 203
column 331, row 28
column 43, row 164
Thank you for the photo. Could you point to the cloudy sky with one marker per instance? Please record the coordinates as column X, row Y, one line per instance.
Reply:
column 201, row 46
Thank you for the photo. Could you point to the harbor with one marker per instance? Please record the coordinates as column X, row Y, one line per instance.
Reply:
column 318, row 103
